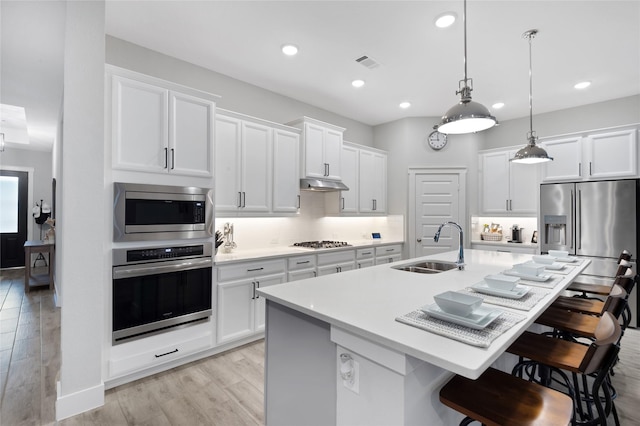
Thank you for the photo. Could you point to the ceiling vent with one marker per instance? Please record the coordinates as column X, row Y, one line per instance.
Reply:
column 368, row 62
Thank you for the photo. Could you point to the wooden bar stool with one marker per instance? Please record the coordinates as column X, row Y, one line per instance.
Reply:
column 497, row 398
column 599, row 289
column 547, row 355
column 594, row 306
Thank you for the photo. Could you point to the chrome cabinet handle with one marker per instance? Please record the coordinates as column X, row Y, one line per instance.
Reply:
column 579, row 232
column 579, row 169
column 590, row 173
column 573, row 221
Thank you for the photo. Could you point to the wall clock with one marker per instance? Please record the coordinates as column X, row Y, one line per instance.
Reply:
column 437, row 140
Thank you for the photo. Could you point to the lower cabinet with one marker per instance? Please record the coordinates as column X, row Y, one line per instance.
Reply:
column 365, row 257
column 388, row 254
column 240, row 308
column 301, row 267
column 336, row 262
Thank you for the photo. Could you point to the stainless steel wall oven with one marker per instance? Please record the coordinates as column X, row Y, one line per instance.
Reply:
column 160, row 288
column 161, row 212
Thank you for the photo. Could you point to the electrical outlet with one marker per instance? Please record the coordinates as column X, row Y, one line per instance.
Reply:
column 354, row 384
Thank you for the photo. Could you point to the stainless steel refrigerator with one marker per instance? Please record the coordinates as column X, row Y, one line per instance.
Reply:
column 596, row 220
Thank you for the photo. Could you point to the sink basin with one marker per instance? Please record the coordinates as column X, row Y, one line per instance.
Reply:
column 427, row 267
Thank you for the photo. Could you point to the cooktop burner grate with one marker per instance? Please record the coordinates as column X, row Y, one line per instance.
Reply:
column 321, row 244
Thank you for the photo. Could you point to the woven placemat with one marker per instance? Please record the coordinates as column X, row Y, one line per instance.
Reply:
column 525, row 303
column 481, row 338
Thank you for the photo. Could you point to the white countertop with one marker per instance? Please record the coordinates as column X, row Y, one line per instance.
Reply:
column 505, row 242
column 367, row 301
column 238, row 255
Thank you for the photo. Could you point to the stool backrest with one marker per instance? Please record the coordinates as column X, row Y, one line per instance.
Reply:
column 623, row 267
column 625, row 255
column 616, row 301
column 626, row 280
column 608, row 333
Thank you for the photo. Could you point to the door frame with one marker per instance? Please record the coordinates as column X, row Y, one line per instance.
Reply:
column 462, row 200
column 30, row 171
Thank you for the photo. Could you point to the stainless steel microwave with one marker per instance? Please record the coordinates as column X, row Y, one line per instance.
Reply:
column 154, row 212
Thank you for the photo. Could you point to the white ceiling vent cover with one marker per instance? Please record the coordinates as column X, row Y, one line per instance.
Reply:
column 368, row 62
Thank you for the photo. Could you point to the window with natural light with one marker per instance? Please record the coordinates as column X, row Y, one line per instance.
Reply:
column 8, row 204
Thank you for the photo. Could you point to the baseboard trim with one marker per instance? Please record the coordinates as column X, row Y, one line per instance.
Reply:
column 78, row 402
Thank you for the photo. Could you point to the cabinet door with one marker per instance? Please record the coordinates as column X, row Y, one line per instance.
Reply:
column 263, row 282
column 495, row 182
column 191, row 135
column 523, row 187
column 227, row 163
column 349, row 170
column 380, row 182
column 364, row 263
column 567, row 160
column 301, row 275
column 256, row 167
column 612, row 154
column 235, row 310
column 332, row 153
column 286, row 171
column 327, row 270
column 314, row 151
column 367, row 182
column 140, row 125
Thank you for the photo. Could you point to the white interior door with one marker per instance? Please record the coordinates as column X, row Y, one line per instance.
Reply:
column 438, row 198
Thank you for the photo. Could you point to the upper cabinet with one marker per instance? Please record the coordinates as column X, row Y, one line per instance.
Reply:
column 257, row 165
column 321, row 148
column 605, row 154
column 160, row 127
column 372, row 181
column 364, row 171
column 507, row 187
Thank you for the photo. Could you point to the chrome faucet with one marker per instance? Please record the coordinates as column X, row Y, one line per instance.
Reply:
column 460, row 261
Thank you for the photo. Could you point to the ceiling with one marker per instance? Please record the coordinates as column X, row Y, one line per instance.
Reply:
column 419, row 63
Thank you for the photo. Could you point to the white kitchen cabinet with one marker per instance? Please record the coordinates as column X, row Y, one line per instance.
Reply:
column 286, row 171
column 336, row 262
column 349, row 169
column 301, row 267
column 507, row 187
column 388, row 254
column 365, row 257
column 321, row 148
column 159, row 130
column 257, row 165
column 372, row 181
column 240, row 309
column 607, row 154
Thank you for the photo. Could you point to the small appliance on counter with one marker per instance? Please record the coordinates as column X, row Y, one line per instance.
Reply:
column 516, row 234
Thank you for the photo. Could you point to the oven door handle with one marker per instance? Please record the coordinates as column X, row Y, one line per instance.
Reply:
column 120, row 272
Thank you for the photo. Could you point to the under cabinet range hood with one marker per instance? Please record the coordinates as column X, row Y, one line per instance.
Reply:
column 322, row 185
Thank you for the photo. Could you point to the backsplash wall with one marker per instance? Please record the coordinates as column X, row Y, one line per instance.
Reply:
column 310, row 224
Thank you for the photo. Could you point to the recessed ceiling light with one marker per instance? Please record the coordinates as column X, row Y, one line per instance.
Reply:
column 497, row 105
column 445, row 20
column 289, row 49
column 357, row 83
column 582, row 85
column 404, row 105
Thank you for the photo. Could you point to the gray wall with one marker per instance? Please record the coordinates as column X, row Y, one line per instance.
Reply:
column 405, row 142
column 617, row 112
column 41, row 163
column 236, row 95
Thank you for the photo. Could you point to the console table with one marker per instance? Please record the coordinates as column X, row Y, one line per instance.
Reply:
column 37, row 280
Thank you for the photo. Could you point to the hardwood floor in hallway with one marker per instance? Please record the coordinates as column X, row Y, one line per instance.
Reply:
column 225, row 389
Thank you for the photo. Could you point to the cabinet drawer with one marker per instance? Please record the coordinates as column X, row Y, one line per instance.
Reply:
column 388, row 250
column 336, row 257
column 250, row 269
column 302, row 262
column 388, row 259
column 365, row 253
column 159, row 354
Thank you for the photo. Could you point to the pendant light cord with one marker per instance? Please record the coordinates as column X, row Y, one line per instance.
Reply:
column 530, row 35
column 464, row 22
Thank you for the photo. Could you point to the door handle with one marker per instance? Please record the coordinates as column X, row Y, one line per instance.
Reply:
column 173, row 158
column 579, row 169
column 342, row 199
column 166, row 158
column 419, row 240
column 298, row 201
column 590, row 174
column 239, row 199
column 326, row 169
column 253, row 296
column 244, row 199
column 573, row 221
column 579, row 236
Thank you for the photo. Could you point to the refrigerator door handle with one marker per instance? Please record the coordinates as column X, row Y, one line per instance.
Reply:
column 579, row 233
column 573, row 219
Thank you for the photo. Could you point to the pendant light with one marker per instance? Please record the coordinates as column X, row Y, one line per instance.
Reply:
column 531, row 154
column 466, row 116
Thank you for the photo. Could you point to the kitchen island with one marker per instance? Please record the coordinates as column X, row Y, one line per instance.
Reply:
column 398, row 369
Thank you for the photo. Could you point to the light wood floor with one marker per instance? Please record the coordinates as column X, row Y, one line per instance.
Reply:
column 226, row 389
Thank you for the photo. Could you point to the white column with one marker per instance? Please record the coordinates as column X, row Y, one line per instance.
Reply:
column 80, row 240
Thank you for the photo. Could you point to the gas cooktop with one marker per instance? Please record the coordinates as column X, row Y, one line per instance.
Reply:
column 321, row 244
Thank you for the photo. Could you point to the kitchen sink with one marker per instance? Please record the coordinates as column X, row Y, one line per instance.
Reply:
column 427, row 267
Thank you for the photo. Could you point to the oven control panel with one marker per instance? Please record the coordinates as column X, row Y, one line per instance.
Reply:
column 151, row 254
